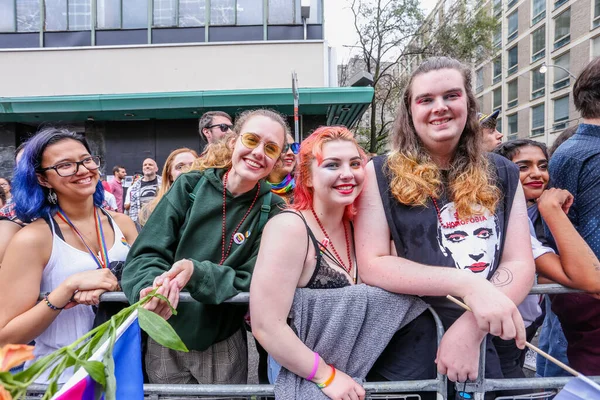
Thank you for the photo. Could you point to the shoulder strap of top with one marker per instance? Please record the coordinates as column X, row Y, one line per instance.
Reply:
column 110, row 219
column 53, row 226
column 311, row 237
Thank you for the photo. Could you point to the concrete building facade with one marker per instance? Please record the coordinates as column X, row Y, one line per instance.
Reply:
column 539, row 47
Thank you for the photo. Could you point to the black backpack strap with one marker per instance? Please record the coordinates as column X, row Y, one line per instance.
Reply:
column 265, row 209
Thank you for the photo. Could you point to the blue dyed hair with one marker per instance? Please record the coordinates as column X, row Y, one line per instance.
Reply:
column 30, row 197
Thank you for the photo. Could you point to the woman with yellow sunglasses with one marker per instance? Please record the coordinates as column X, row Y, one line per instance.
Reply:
column 203, row 237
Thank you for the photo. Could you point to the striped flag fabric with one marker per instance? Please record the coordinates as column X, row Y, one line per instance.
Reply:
column 127, row 353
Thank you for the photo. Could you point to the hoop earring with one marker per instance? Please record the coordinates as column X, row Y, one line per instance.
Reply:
column 52, row 198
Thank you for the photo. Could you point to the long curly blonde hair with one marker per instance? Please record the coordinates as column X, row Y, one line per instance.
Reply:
column 415, row 177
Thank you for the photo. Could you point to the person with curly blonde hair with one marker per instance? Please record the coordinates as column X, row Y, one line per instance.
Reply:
column 457, row 219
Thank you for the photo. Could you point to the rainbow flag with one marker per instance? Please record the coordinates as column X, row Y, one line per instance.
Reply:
column 579, row 388
column 127, row 354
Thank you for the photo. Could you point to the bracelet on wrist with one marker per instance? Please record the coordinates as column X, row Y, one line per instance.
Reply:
column 315, row 368
column 50, row 305
column 329, row 380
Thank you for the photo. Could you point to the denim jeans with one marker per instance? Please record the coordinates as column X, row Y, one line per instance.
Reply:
column 273, row 369
column 553, row 342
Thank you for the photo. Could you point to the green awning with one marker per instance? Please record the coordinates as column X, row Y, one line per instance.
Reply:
column 340, row 105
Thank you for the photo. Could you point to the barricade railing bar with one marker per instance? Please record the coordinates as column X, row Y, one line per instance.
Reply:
column 439, row 385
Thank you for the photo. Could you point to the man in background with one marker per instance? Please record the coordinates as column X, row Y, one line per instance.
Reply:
column 213, row 125
column 144, row 189
column 490, row 135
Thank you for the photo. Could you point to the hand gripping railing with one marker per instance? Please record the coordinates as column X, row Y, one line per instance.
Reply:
column 438, row 385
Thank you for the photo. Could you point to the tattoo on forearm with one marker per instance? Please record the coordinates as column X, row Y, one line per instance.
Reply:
column 593, row 255
column 502, row 277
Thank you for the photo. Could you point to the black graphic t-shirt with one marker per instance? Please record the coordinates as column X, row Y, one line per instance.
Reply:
column 148, row 191
column 436, row 236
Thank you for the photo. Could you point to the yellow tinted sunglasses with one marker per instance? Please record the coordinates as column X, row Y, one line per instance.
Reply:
column 252, row 140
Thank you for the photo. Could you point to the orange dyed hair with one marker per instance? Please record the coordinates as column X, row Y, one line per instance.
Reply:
column 312, row 149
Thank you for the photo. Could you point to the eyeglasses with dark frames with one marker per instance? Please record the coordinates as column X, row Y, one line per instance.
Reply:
column 223, row 127
column 70, row 168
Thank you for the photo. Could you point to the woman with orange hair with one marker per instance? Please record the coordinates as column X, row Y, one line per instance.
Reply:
column 318, row 248
column 178, row 162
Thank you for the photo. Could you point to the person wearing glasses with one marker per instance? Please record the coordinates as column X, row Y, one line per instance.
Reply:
column 203, row 238
column 68, row 250
column 178, row 162
column 214, row 125
column 281, row 178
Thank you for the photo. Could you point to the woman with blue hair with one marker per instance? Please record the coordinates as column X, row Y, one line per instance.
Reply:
column 68, row 253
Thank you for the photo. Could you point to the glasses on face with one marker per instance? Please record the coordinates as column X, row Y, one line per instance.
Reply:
column 295, row 147
column 223, row 127
column 70, row 168
column 252, row 140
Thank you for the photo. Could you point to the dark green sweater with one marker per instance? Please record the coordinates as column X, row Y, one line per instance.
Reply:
column 181, row 228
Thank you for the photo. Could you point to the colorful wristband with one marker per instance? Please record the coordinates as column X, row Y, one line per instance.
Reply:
column 315, row 368
column 52, row 306
column 329, row 380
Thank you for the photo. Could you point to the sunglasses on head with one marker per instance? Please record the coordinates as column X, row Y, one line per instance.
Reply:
column 252, row 140
column 223, row 127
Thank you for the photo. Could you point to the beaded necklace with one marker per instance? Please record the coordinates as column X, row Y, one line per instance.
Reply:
column 224, row 253
column 328, row 241
column 437, row 210
column 287, row 184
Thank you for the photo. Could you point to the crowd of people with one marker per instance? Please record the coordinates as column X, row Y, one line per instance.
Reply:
column 341, row 254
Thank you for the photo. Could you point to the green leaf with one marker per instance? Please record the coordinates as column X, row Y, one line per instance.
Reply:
column 160, row 330
column 35, row 369
column 96, row 371
column 163, row 298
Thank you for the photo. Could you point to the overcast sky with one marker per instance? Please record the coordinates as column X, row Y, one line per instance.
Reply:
column 339, row 27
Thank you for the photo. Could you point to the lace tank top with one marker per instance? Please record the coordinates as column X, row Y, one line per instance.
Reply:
column 328, row 274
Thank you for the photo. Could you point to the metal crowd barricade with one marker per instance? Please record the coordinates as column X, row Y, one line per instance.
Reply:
column 383, row 390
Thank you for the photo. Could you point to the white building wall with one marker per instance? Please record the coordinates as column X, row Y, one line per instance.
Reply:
column 169, row 68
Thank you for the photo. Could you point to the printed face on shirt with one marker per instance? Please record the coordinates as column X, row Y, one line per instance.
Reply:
column 472, row 243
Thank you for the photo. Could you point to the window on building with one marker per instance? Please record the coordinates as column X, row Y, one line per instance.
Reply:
column 538, row 10
column 562, row 29
column 192, row 13
column 480, row 102
column 513, row 126
column 513, row 93
column 222, row 12
column 28, row 16
column 479, row 80
column 108, row 14
column 538, row 44
column 561, row 112
column 498, row 36
column 537, row 120
column 538, row 83
column 497, row 7
column 561, row 77
column 7, row 16
column 281, row 12
column 56, row 15
column 135, row 14
column 250, row 13
column 497, row 99
column 513, row 60
column 164, row 13
column 596, row 20
column 558, row 3
column 497, row 70
column 80, row 15
column 499, row 124
column 513, row 26
column 596, row 46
